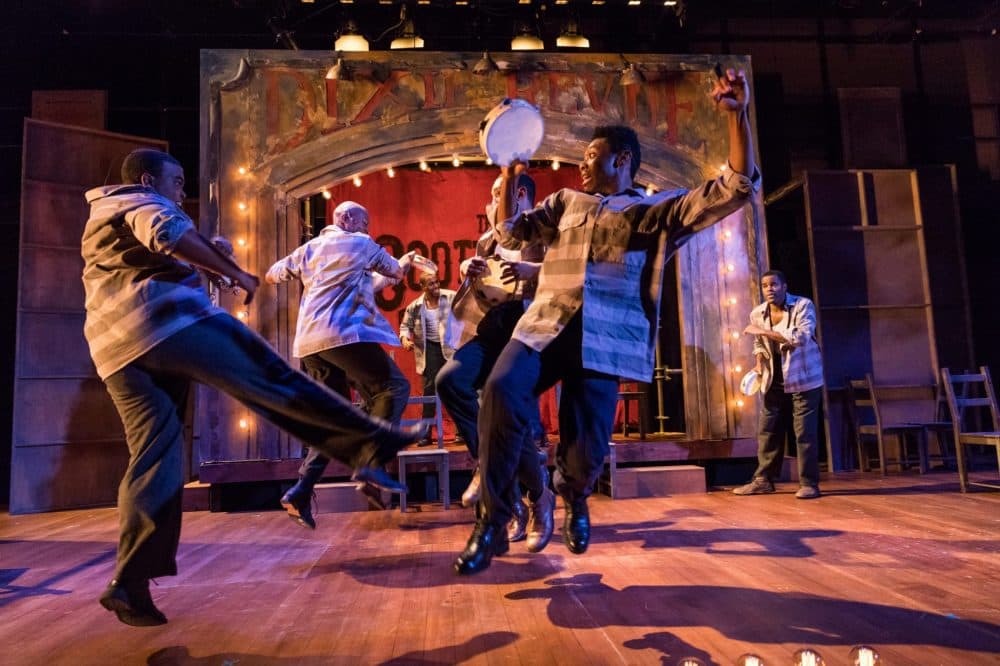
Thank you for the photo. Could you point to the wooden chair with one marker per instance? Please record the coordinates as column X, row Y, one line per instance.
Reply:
column 867, row 422
column 628, row 392
column 964, row 391
column 438, row 418
column 438, row 457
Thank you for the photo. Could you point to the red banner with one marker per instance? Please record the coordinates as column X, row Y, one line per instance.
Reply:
column 440, row 213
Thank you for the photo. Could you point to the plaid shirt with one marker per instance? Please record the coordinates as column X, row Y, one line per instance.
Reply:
column 606, row 255
column 801, row 362
column 338, row 297
column 415, row 323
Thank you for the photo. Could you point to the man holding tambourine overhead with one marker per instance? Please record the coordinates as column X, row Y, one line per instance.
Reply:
column 594, row 316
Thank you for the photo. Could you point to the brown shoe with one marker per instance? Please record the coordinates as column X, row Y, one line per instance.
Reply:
column 541, row 521
column 758, row 486
column 807, row 492
column 517, row 528
column 471, row 494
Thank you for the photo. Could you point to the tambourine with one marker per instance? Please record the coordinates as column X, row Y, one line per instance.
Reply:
column 512, row 130
column 489, row 287
column 750, row 383
column 424, row 264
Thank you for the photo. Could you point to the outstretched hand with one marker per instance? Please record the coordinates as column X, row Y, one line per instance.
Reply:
column 248, row 283
column 731, row 92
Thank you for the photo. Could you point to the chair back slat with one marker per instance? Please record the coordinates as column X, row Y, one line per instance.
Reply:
column 976, row 392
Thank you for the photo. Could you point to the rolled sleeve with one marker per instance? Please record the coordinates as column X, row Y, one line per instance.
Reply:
column 159, row 227
column 285, row 269
column 804, row 328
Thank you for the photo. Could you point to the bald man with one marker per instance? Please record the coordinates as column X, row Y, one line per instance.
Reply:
column 340, row 330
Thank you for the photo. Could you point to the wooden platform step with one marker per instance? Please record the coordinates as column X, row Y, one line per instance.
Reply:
column 196, row 496
column 656, row 481
column 340, row 498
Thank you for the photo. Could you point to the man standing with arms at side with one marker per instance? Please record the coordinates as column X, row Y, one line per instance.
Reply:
column 594, row 316
column 152, row 330
column 422, row 332
column 791, row 370
column 340, row 330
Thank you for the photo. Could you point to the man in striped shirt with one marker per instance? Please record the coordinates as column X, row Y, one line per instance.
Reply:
column 152, row 330
column 791, row 368
column 594, row 316
column 340, row 330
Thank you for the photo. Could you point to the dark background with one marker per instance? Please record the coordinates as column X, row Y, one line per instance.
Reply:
column 146, row 55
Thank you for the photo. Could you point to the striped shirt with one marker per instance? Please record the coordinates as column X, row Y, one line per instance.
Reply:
column 417, row 319
column 338, row 299
column 137, row 295
column 468, row 310
column 801, row 361
column 606, row 255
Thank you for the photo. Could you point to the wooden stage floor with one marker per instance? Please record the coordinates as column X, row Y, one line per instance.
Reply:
column 906, row 564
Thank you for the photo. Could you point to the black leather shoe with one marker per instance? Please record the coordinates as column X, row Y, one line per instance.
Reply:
column 517, row 528
column 298, row 503
column 392, row 441
column 132, row 603
column 378, row 477
column 576, row 527
column 486, row 541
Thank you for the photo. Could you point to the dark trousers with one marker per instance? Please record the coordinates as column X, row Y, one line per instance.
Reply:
column 510, row 397
column 150, row 396
column 462, row 377
column 433, row 362
column 780, row 413
column 367, row 367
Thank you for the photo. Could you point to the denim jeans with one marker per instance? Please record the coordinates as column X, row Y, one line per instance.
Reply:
column 150, row 396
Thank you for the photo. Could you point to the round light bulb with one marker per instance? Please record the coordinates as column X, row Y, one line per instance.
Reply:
column 242, row 205
column 390, row 172
column 242, row 171
column 327, row 195
column 732, row 300
column 807, row 657
column 242, row 242
column 730, row 267
column 727, row 234
column 244, row 424
column 650, row 191
column 423, row 165
column 242, row 314
column 724, row 167
column 455, row 161
column 749, row 659
column 863, row 655
column 556, row 164
column 737, row 368
column 739, row 402
column 357, row 181
column 736, row 335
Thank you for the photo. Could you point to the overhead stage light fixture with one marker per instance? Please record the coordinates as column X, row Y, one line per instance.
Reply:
column 350, row 39
column 526, row 40
column 485, row 65
column 571, row 37
column 631, row 76
column 408, row 38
